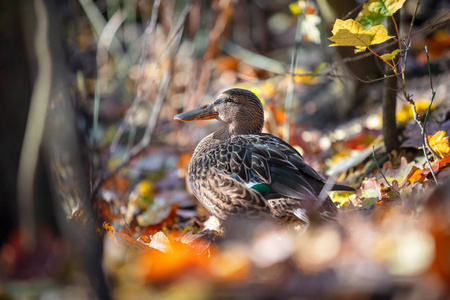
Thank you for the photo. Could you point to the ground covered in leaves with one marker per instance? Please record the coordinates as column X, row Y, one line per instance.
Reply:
column 163, row 57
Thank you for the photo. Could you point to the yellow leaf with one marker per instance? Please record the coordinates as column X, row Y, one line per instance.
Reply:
column 394, row 5
column 380, row 34
column 390, row 56
column 406, row 112
column 375, row 11
column 351, row 33
column 342, row 197
column 439, row 143
column 295, row 8
column 359, row 49
column 308, row 79
column 145, row 188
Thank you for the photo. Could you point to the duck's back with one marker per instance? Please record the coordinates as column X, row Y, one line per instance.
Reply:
column 254, row 175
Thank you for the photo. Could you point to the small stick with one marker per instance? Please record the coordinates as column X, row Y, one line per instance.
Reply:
column 426, row 118
column 379, row 169
column 128, row 227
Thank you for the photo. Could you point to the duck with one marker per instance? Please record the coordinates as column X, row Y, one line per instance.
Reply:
column 240, row 172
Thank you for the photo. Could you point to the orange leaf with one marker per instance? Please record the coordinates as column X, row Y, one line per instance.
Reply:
column 144, row 239
column 416, row 174
column 160, row 266
column 109, row 228
column 117, row 182
column 169, row 221
column 102, row 208
column 279, row 114
column 441, row 162
column 184, row 160
column 437, row 165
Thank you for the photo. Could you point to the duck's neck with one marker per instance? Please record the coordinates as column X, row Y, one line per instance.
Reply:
column 229, row 130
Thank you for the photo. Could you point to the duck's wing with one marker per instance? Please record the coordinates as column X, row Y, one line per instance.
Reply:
column 269, row 165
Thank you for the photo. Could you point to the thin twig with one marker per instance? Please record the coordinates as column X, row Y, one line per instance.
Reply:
column 426, row 118
column 376, row 54
column 278, row 68
column 353, row 10
column 404, row 56
column 328, row 74
column 128, row 227
column 407, row 46
column 381, row 172
column 412, row 20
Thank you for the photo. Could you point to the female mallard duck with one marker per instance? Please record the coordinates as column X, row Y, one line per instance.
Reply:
column 240, row 171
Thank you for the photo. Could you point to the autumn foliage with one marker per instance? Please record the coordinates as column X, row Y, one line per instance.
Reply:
column 136, row 64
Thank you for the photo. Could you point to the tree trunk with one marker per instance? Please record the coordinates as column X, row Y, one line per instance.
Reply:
column 390, row 132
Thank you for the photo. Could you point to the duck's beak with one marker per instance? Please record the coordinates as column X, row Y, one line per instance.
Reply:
column 205, row 112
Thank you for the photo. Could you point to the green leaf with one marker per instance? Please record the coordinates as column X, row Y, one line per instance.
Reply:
column 351, row 33
column 319, row 68
column 375, row 11
column 369, row 202
column 370, row 198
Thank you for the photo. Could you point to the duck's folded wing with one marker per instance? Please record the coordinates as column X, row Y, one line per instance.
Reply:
column 270, row 166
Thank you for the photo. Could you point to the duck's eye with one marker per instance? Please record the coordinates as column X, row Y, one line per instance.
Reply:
column 229, row 100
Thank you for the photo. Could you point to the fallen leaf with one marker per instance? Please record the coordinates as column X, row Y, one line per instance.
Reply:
column 200, row 243
column 398, row 173
column 371, row 187
column 437, row 165
column 158, row 266
column 416, row 175
column 342, row 197
column 414, row 135
column 439, row 143
column 160, row 242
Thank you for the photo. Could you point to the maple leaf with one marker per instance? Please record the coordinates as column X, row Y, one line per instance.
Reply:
column 439, row 143
column 351, row 33
column 375, row 11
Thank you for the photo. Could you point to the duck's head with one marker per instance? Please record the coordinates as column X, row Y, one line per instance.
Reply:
column 240, row 109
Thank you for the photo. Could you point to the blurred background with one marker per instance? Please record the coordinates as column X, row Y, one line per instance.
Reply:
column 93, row 199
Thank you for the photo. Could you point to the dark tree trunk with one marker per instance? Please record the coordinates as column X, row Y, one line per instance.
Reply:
column 390, row 132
